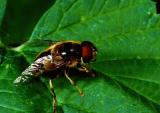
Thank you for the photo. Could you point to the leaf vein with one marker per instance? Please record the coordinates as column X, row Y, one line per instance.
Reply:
column 64, row 13
column 87, row 19
column 136, row 78
column 105, row 2
column 7, row 91
column 14, row 109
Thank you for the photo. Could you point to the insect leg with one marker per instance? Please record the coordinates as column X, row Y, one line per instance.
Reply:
column 73, row 83
column 53, row 95
column 85, row 68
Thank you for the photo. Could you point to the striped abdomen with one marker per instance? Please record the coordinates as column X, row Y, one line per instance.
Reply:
column 35, row 69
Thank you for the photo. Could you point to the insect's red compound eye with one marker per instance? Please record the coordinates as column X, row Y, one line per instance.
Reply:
column 86, row 53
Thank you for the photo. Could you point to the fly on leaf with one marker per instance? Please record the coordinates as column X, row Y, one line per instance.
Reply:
column 60, row 57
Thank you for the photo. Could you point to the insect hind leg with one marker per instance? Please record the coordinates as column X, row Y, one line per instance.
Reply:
column 54, row 96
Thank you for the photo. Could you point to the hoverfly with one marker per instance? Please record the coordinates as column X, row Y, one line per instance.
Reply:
column 60, row 56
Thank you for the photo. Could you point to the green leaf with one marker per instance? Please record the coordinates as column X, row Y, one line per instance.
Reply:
column 21, row 99
column 2, row 9
column 101, row 95
column 141, row 75
column 126, row 34
column 20, row 19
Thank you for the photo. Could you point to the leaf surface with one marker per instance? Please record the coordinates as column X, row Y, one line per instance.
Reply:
column 2, row 9
column 126, row 34
column 20, row 18
column 28, row 98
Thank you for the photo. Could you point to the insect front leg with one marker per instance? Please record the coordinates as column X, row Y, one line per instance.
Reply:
column 53, row 95
column 73, row 83
column 83, row 67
